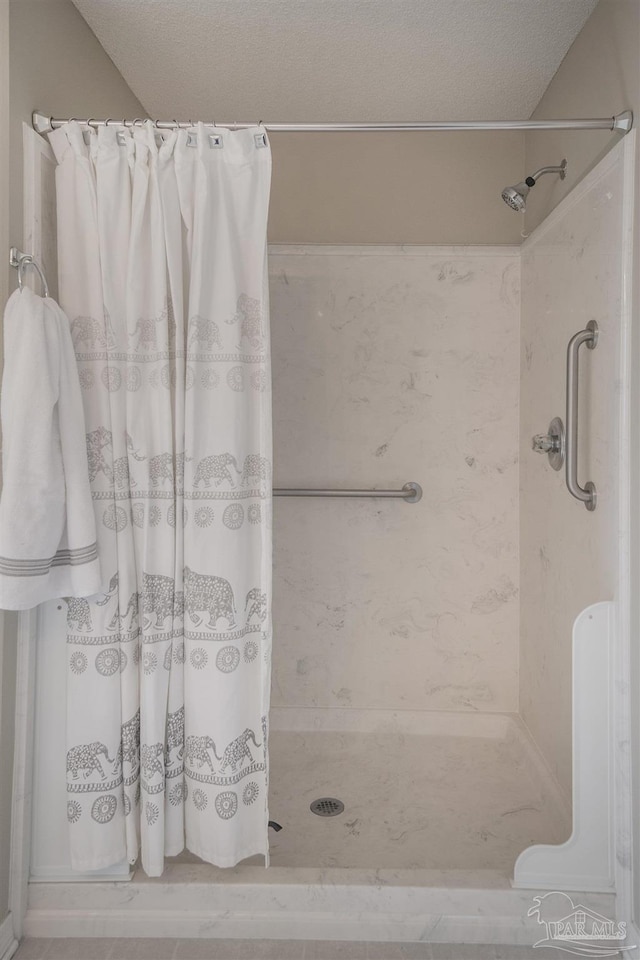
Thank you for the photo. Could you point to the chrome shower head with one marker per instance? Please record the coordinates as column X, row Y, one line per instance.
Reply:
column 516, row 196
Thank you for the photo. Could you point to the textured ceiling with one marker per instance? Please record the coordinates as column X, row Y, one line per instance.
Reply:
column 296, row 60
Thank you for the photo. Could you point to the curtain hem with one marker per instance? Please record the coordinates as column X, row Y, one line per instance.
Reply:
column 226, row 862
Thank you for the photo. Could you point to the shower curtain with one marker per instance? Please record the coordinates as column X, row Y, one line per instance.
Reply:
column 162, row 270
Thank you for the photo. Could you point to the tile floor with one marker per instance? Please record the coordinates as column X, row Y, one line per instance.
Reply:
column 119, row 949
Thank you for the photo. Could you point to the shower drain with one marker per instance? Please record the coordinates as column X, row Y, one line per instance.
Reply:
column 327, row 807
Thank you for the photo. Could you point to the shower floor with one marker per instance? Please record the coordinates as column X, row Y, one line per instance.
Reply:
column 437, row 808
column 434, row 792
column 428, row 792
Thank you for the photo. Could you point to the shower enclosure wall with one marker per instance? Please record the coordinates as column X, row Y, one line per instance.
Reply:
column 422, row 652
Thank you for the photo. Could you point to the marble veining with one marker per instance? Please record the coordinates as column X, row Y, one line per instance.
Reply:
column 572, row 273
column 389, row 365
column 425, row 795
column 438, row 801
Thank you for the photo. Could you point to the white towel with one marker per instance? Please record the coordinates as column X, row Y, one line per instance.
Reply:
column 48, row 543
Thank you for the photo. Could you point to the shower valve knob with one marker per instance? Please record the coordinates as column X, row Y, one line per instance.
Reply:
column 551, row 443
column 543, row 443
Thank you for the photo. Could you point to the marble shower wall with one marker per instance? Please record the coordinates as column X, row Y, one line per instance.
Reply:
column 393, row 364
column 572, row 272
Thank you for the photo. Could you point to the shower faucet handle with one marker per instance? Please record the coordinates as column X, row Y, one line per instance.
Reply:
column 545, row 443
column 551, row 443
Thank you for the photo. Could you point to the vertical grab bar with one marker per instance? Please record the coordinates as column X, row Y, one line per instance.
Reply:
column 587, row 493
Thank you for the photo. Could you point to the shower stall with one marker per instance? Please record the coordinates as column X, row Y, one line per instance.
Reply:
column 424, row 672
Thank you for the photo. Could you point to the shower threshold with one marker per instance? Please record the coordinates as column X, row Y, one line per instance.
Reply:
column 437, row 808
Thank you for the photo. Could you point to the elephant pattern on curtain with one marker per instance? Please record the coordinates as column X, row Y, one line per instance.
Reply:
column 162, row 268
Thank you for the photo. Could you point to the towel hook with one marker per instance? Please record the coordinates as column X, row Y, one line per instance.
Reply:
column 21, row 261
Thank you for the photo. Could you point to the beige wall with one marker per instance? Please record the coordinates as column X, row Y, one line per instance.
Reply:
column 445, row 188
column 420, row 188
column 57, row 65
column 599, row 77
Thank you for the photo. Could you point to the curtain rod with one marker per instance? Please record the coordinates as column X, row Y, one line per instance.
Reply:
column 622, row 122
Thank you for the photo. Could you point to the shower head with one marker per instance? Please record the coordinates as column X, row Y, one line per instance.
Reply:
column 516, row 196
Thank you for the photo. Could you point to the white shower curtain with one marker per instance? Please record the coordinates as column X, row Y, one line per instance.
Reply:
column 162, row 267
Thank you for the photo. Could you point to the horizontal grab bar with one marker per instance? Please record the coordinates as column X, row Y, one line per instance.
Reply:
column 410, row 493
